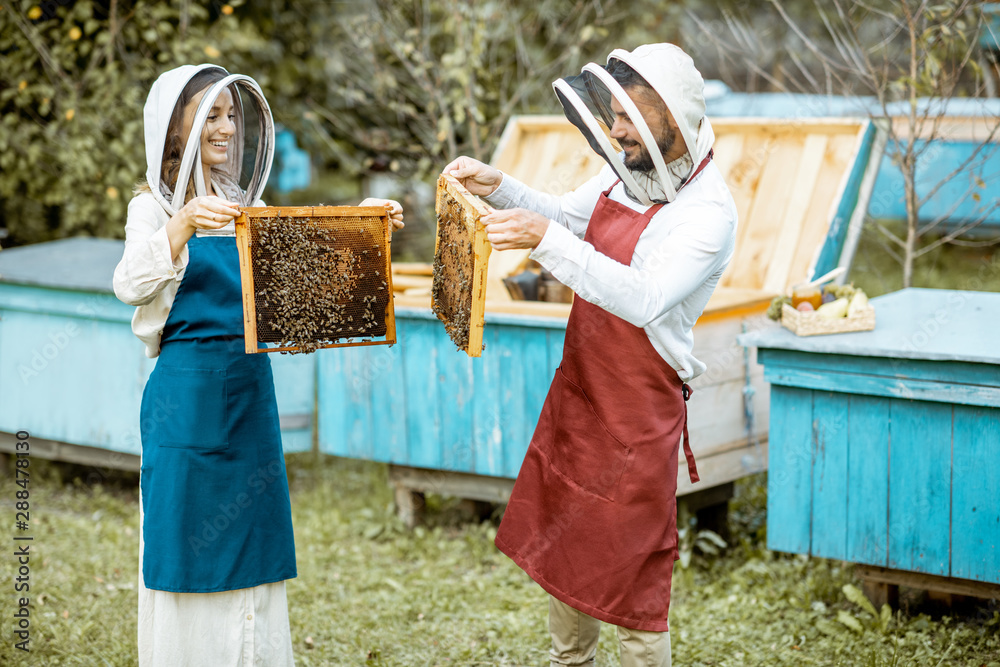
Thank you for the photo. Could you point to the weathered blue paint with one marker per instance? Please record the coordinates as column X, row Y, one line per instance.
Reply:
column 867, row 479
column 954, row 201
column 885, row 445
column 833, row 245
column 437, row 408
column 789, row 482
column 829, row 475
column 976, row 464
column 70, row 368
column 919, row 482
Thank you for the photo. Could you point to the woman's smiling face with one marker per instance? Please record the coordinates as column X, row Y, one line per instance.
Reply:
column 219, row 128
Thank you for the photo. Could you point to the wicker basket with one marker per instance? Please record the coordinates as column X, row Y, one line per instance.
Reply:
column 811, row 324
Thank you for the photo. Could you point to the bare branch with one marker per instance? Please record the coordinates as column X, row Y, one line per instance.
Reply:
column 951, row 236
column 884, row 246
column 964, row 164
column 888, row 234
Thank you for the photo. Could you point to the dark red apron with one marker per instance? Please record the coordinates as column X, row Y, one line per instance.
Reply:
column 593, row 514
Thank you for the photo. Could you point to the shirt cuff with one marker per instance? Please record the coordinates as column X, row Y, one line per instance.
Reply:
column 164, row 263
column 505, row 195
column 551, row 250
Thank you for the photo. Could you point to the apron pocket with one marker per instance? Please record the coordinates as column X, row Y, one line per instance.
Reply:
column 201, row 421
column 581, row 448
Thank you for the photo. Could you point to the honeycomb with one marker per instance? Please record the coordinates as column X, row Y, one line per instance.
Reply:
column 319, row 281
column 454, row 263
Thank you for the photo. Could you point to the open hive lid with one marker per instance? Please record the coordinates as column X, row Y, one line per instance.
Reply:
column 788, row 178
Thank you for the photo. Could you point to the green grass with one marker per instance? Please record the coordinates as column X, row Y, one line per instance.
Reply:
column 370, row 592
column 947, row 267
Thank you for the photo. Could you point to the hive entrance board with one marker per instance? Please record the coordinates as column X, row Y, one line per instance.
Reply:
column 315, row 277
column 461, row 255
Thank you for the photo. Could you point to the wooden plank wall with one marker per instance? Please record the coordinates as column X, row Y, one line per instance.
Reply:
column 72, row 371
column 436, row 407
column 786, row 178
column 425, row 404
column 886, row 480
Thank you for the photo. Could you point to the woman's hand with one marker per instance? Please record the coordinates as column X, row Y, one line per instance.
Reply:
column 394, row 208
column 208, row 212
column 478, row 178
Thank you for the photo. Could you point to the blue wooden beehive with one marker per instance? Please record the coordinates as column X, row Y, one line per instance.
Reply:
column 423, row 406
column 885, row 445
column 72, row 372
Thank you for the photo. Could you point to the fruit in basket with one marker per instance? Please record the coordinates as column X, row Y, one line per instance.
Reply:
column 811, row 295
column 859, row 302
column 841, row 291
column 774, row 311
column 828, row 296
column 805, row 307
column 835, row 309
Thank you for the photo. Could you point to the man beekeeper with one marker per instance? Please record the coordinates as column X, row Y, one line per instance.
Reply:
column 593, row 515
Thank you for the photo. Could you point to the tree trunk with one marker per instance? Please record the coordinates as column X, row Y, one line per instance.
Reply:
column 912, row 210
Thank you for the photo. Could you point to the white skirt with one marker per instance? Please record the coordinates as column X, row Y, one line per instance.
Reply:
column 242, row 628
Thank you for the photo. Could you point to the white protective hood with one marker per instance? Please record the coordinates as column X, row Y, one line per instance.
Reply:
column 586, row 101
column 160, row 103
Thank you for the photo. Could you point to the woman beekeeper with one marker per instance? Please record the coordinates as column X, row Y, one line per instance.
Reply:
column 593, row 514
column 216, row 542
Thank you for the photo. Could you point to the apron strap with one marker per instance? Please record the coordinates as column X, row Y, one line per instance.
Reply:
column 687, row 391
column 650, row 212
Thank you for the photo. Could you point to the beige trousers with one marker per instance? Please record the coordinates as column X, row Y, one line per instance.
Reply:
column 575, row 634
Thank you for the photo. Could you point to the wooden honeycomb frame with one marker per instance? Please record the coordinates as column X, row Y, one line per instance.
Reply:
column 461, row 257
column 336, row 220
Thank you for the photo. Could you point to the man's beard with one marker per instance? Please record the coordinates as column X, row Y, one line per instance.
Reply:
column 644, row 161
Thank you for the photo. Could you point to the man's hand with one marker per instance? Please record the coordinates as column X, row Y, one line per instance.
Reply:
column 514, row 228
column 478, row 178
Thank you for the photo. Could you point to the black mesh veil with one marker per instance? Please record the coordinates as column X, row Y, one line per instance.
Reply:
column 586, row 102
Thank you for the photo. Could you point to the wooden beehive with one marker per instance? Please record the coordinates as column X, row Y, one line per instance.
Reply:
column 315, row 277
column 461, row 256
column 787, row 178
column 797, row 185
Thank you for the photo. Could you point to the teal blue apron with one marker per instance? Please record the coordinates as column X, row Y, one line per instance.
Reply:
column 217, row 516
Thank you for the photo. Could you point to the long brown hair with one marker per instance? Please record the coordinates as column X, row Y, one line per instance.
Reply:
column 173, row 145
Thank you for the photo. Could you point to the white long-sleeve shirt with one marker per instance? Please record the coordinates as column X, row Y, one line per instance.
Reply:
column 675, row 267
column 147, row 277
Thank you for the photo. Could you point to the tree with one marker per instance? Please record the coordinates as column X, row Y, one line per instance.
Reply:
column 72, row 87
column 911, row 57
column 383, row 85
column 405, row 85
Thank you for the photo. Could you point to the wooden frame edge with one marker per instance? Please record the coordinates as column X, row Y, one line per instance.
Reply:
column 246, row 275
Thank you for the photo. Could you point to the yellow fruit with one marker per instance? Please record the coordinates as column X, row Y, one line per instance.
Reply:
column 75, row 33
column 35, row 13
column 833, row 310
column 859, row 302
